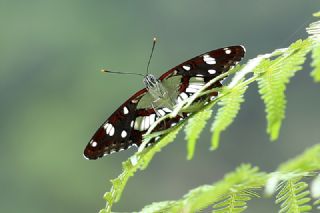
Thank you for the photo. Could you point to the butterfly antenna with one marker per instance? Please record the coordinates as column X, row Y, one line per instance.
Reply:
column 128, row 73
column 153, row 45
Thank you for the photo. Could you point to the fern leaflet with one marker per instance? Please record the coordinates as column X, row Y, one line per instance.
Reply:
column 158, row 207
column 316, row 63
column 308, row 161
column 193, row 129
column 314, row 32
column 235, row 201
column 229, row 108
column 273, row 75
column 293, row 196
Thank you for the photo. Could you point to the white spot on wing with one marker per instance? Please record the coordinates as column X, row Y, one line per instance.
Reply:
column 132, row 123
column 195, row 86
column 186, row 67
column 146, row 122
column 244, row 49
column 208, row 59
column 152, row 118
column 142, row 124
column 199, row 79
column 212, row 71
column 161, row 112
column 191, row 90
column 137, row 123
column 227, row 51
column 184, row 95
column 93, row 143
column 111, row 133
column 123, row 134
column 108, row 128
column 125, row 110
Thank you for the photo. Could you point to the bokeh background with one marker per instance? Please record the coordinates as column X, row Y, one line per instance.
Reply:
column 53, row 96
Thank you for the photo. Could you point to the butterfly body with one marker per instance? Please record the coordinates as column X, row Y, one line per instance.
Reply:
column 160, row 94
column 125, row 127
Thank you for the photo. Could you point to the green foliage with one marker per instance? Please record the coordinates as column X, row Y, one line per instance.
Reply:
column 228, row 195
column 140, row 160
column 272, row 72
column 314, row 32
column 237, row 188
column 316, row 63
column 193, row 129
column 309, row 161
column 317, row 204
column 293, row 196
column 273, row 76
column 229, row 108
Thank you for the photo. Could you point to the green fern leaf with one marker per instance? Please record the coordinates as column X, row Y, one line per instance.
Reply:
column 293, row 196
column 314, row 34
column 308, row 161
column 273, row 75
column 317, row 14
column 229, row 108
column 235, row 201
column 193, row 129
column 158, row 207
column 232, row 192
column 316, row 63
column 140, row 160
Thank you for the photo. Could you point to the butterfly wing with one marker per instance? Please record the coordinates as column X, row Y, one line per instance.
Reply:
column 115, row 133
column 125, row 127
column 194, row 73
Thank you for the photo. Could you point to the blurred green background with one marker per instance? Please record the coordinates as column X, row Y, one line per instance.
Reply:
column 53, row 96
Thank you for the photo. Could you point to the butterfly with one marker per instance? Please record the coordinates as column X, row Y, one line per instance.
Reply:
column 126, row 126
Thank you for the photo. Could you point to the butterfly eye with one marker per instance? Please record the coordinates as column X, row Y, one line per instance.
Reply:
column 150, row 81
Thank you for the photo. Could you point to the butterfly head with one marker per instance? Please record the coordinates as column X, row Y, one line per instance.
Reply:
column 150, row 81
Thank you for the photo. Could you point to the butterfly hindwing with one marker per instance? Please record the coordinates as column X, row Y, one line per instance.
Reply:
column 115, row 133
column 126, row 126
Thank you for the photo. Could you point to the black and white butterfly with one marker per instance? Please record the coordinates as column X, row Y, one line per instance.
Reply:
column 126, row 126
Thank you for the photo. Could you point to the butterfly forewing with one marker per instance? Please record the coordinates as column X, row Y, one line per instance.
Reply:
column 125, row 127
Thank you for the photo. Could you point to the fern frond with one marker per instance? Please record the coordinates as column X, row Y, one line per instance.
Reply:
column 273, row 75
column 308, row 161
column 314, row 34
column 293, row 196
column 241, row 184
column 316, row 63
column 293, row 192
column 229, row 108
column 139, row 160
column 316, row 14
column 235, row 201
column 193, row 129
column 158, row 207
